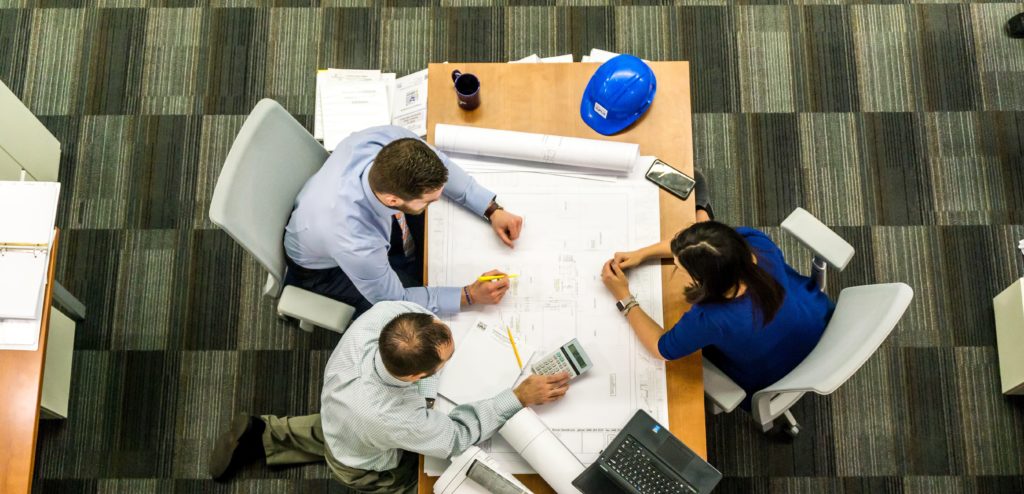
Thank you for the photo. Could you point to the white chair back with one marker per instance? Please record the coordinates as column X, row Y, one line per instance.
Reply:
column 269, row 162
column 864, row 317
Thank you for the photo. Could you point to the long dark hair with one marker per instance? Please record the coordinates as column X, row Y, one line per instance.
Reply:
column 719, row 259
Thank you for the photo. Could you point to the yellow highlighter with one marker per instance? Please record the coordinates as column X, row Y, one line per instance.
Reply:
column 519, row 360
column 497, row 277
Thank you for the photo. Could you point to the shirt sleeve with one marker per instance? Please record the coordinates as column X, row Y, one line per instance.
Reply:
column 372, row 275
column 434, row 433
column 693, row 332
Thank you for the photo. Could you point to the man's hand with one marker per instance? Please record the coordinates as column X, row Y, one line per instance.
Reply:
column 629, row 259
column 615, row 280
column 538, row 389
column 507, row 226
column 488, row 292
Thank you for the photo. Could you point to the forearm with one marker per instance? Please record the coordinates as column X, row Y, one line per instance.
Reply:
column 647, row 331
column 660, row 250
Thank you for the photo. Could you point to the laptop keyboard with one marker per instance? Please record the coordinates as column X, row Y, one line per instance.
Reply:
column 635, row 464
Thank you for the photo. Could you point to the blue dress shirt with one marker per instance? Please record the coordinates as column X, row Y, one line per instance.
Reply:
column 338, row 221
column 753, row 354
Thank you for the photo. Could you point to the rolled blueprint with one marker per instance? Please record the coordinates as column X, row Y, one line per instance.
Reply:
column 542, row 450
column 608, row 156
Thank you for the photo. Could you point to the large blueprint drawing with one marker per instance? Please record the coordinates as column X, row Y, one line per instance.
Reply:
column 571, row 227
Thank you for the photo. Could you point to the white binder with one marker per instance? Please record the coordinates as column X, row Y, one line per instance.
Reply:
column 27, row 214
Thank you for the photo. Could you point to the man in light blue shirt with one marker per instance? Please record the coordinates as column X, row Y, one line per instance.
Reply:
column 376, row 411
column 356, row 232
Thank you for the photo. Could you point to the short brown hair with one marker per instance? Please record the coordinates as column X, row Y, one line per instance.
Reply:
column 409, row 344
column 407, row 168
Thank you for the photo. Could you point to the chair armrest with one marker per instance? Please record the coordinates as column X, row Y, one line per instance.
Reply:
column 824, row 242
column 312, row 308
column 722, row 391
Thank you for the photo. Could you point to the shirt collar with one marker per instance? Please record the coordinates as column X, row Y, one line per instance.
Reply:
column 371, row 198
column 384, row 375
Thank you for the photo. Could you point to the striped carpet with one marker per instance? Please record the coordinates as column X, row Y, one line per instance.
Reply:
column 900, row 123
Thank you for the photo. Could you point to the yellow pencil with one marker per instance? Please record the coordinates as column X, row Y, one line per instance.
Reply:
column 514, row 349
column 497, row 277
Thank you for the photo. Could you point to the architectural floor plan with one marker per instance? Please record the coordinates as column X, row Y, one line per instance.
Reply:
column 571, row 227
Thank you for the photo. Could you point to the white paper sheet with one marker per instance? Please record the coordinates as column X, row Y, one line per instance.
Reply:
column 527, row 59
column 353, row 106
column 322, row 79
column 483, row 364
column 571, row 227
column 409, row 103
column 559, row 151
column 567, row 58
column 603, row 56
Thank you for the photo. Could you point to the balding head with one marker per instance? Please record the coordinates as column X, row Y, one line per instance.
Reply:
column 413, row 344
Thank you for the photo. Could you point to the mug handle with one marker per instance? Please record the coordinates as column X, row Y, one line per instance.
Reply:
column 455, row 75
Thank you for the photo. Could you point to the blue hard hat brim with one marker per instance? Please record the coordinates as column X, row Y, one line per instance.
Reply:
column 605, row 126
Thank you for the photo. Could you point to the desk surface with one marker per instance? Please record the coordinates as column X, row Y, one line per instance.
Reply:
column 545, row 98
column 21, row 384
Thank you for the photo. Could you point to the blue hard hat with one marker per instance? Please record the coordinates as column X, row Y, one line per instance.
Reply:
column 618, row 94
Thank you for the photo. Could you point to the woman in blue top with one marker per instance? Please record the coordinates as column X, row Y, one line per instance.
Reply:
column 752, row 314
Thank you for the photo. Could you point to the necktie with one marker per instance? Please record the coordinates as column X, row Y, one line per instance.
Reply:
column 408, row 244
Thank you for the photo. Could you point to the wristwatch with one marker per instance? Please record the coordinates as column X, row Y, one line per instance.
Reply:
column 491, row 209
column 625, row 304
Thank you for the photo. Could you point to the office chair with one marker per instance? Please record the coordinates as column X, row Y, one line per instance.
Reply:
column 269, row 162
column 864, row 317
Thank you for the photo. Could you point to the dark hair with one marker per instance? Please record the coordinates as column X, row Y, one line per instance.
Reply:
column 407, row 168
column 408, row 344
column 719, row 259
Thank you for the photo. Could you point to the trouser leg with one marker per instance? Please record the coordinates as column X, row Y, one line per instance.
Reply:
column 332, row 283
column 402, row 479
column 293, row 440
column 702, row 195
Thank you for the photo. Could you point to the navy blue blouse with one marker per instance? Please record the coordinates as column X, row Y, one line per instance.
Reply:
column 733, row 335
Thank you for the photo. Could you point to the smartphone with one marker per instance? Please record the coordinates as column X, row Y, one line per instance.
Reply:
column 674, row 181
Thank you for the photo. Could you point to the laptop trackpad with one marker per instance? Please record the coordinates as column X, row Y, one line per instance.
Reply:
column 675, row 455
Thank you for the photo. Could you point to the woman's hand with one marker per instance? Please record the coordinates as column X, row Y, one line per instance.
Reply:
column 615, row 280
column 627, row 260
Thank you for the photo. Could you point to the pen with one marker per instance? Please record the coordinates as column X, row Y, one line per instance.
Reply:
column 497, row 277
column 514, row 349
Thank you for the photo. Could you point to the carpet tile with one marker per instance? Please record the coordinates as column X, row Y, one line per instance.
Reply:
column 898, row 122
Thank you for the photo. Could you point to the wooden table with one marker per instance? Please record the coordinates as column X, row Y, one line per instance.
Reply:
column 545, row 98
column 21, row 384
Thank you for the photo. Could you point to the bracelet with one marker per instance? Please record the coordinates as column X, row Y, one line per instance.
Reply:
column 630, row 306
column 469, row 300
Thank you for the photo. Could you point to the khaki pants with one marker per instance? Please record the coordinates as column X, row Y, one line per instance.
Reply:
column 293, row 440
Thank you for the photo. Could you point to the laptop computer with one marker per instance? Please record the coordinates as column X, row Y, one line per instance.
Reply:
column 645, row 458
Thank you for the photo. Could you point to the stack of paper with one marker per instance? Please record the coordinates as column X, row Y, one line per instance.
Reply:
column 348, row 101
column 534, row 58
column 483, row 365
column 27, row 214
column 600, row 56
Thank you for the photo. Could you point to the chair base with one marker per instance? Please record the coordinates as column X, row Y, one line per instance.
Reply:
column 784, row 424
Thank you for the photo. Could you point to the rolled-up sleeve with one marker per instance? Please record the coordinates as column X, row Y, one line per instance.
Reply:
column 436, row 434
